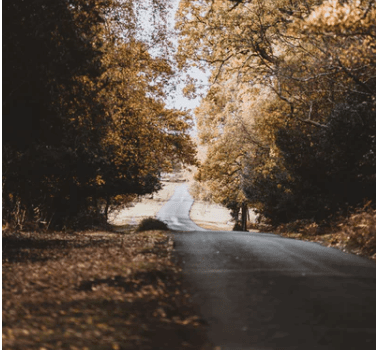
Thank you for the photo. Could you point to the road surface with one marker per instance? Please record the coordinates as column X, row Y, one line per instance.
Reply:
column 259, row 291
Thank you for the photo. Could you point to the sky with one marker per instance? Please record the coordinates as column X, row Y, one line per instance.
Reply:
column 176, row 99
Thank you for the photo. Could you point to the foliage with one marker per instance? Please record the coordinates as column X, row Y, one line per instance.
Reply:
column 226, row 132
column 150, row 224
column 307, row 72
column 84, row 117
column 319, row 172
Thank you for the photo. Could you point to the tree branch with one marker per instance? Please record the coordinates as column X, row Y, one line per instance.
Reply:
column 312, row 122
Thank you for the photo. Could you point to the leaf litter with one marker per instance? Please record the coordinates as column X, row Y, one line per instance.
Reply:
column 96, row 290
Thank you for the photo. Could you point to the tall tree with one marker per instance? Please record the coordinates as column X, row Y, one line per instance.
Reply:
column 316, row 62
column 84, row 117
column 225, row 127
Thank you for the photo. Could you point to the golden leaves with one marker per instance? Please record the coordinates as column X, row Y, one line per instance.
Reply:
column 145, row 137
column 299, row 50
column 339, row 17
column 99, row 180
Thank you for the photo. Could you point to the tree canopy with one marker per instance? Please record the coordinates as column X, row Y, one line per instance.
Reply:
column 307, row 70
column 84, row 117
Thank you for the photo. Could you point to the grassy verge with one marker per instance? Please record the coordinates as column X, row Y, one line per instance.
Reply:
column 95, row 290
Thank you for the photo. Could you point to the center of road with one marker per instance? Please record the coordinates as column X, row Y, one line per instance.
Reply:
column 175, row 213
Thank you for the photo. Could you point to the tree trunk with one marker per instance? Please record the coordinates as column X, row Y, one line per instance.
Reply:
column 244, row 216
column 106, row 208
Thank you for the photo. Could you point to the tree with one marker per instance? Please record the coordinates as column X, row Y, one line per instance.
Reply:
column 284, row 45
column 316, row 61
column 226, row 131
column 84, row 117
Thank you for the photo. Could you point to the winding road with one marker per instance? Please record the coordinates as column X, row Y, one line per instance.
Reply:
column 259, row 291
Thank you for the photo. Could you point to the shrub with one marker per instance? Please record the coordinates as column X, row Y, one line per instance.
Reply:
column 150, row 224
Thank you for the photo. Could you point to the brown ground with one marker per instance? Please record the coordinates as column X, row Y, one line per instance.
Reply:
column 95, row 290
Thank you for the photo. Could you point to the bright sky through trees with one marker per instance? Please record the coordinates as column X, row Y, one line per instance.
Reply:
column 176, row 98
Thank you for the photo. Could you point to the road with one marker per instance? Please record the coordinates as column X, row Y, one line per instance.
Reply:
column 259, row 291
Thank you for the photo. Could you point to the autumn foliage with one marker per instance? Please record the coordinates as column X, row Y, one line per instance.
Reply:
column 84, row 117
column 289, row 118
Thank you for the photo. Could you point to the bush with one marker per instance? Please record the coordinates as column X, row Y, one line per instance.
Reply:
column 150, row 224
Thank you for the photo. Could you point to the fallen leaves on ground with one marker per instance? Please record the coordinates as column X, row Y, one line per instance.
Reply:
column 356, row 234
column 95, row 290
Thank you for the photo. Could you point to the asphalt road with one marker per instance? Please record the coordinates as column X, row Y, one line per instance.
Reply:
column 260, row 291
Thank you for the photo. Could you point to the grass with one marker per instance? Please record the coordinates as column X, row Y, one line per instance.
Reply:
column 95, row 290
